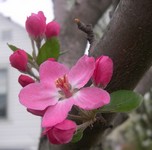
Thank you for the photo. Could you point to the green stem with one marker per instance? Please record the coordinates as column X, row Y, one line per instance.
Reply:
column 30, row 72
column 75, row 117
column 34, row 51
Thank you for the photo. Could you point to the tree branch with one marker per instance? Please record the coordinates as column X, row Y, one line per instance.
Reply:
column 128, row 41
column 145, row 83
column 71, row 38
column 60, row 10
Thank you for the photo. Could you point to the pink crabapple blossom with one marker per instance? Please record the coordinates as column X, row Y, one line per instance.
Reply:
column 36, row 25
column 52, row 29
column 103, row 71
column 60, row 88
column 19, row 60
column 24, row 80
column 61, row 133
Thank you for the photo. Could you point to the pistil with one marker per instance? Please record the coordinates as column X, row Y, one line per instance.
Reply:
column 64, row 86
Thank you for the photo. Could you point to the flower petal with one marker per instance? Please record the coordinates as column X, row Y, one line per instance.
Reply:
column 51, row 70
column 66, row 125
column 80, row 74
column 37, row 96
column 91, row 98
column 57, row 113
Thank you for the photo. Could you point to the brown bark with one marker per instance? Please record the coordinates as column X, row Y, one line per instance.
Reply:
column 60, row 10
column 128, row 41
column 145, row 83
column 71, row 38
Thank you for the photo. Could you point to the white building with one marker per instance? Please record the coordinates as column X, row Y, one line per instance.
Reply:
column 19, row 130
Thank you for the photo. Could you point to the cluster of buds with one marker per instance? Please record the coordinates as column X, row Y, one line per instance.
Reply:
column 57, row 89
column 37, row 28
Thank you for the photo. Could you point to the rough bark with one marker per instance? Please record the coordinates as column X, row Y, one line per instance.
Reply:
column 71, row 38
column 128, row 41
column 60, row 10
column 145, row 83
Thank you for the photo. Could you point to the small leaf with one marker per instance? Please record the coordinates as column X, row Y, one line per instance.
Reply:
column 122, row 101
column 50, row 49
column 77, row 136
column 14, row 48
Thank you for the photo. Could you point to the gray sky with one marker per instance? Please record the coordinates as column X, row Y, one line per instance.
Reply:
column 18, row 10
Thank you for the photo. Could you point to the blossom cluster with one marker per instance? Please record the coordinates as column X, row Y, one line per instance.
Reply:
column 57, row 90
column 37, row 28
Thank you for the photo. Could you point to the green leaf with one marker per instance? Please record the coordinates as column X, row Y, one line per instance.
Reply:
column 77, row 136
column 14, row 48
column 122, row 101
column 50, row 49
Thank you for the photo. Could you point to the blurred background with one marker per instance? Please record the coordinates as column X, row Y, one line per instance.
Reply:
column 20, row 130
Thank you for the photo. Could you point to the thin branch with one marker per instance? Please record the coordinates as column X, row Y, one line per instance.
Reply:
column 70, row 38
column 88, row 29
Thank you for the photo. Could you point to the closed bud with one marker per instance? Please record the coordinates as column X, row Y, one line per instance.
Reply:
column 19, row 60
column 61, row 133
column 25, row 80
column 35, row 25
column 52, row 29
column 103, row 71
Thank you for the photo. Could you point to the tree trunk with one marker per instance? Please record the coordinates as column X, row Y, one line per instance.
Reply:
column 128, row 41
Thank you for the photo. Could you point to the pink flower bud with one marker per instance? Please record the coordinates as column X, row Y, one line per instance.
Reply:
column 52, row 29
column 25, row 80
column 103, row 71
column 61, row 133
column 35, row 25
column 19, row 60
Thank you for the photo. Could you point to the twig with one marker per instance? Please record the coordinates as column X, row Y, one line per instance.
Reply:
column 88, row 29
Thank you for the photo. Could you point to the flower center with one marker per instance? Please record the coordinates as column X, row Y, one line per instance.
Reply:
column 64, row 86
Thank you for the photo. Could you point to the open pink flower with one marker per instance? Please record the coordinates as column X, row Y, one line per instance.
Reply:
column 60, row 88
column 61, row 133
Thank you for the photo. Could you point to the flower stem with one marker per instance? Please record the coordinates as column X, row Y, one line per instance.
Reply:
column 75, row 117
column 34, row 51
column 84, row 125
column 30, row 72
